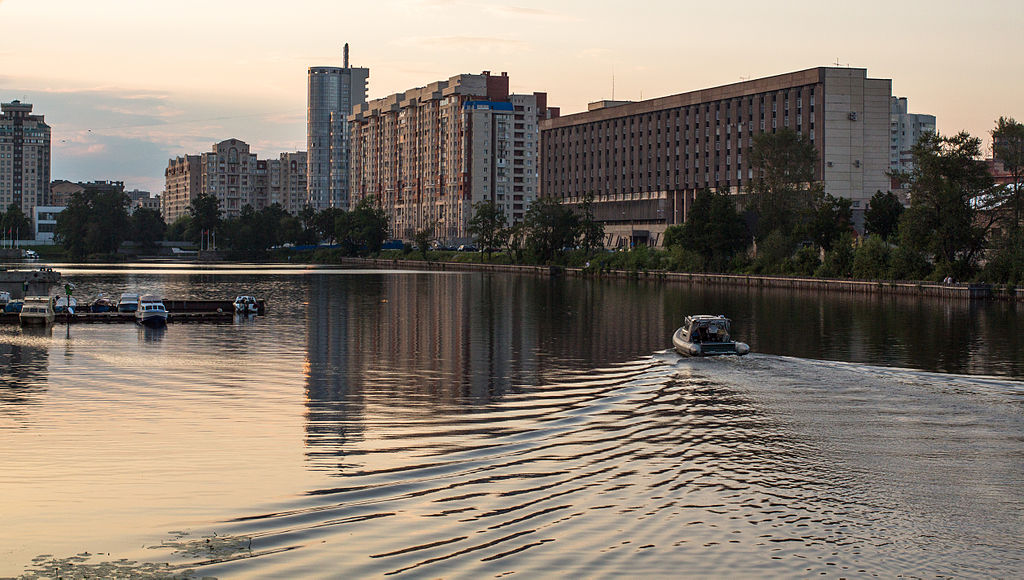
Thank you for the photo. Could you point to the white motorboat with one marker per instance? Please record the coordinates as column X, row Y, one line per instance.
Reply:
column 151, row 311
column 246, row 305
column 65, row 304
column 37, row 310
column 5, row 297
column 706, row 335
column 129, row 302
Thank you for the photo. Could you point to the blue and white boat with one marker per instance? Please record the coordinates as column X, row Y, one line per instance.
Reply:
column 706, row 335
column 151, row 311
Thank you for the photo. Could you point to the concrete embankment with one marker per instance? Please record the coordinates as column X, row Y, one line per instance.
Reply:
column 929, row 289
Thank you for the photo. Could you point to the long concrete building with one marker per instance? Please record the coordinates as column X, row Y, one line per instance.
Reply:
column 24, row 158
column 644, row 162
column 428, row 154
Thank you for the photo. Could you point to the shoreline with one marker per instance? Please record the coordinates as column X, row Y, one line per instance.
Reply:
column 968, row 292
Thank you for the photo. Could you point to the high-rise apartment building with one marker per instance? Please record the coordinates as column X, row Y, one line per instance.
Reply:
column 428, row 154
column 286, row 181
column 232, row 174
column 333, row 91
column 182, row 182
column 905, row 129
column 643, row 162
column 24, row 157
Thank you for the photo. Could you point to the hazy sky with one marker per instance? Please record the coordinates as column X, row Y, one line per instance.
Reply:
column 127, row 84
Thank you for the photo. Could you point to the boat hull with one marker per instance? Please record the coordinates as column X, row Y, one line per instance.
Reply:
column 687, row 348
column 151, row 318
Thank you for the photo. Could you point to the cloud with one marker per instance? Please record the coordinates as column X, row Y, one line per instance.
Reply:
column 532, row 13
column 463, row 42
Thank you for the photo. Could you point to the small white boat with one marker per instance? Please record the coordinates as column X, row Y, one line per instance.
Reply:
column 129, row 302
column 37, row 310
column 706, row 335
column 65, row 304
column 151, row 311
column 246, row 305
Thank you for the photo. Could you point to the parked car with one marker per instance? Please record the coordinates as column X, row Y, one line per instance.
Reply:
column 468, row 248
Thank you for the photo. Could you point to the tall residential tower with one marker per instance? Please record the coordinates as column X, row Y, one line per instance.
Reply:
column 24, row 157
column 333, row 91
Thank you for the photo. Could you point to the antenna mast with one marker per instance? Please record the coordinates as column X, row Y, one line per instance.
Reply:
column 346, row 55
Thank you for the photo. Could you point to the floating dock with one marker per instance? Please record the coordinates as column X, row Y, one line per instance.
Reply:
column 177, row 311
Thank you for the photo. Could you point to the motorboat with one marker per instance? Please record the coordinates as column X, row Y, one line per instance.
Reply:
column 706, row 335
column 129, row 302
column 37, row 310
column 151, row 311
column 14, row 306
column 5, row 297
column 65, row 304
column 246, row 305
column 101, row 304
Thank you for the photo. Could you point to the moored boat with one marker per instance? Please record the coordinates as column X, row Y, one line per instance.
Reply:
column 37, row 310
column 101, row 304
column 129, row 302
column 706, row 335
column 65, row 304
column 151, row 311
column 5, row 297
column 246, row 305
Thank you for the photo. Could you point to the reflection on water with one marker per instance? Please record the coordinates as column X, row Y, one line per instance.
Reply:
column 439, row 424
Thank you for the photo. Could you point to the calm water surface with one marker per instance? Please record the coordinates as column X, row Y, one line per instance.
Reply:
column 470, row 425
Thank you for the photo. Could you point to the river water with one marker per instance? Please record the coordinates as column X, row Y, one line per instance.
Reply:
column 469, row 425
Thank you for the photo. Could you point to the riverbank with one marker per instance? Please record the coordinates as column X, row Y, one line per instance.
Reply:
column 903, row 288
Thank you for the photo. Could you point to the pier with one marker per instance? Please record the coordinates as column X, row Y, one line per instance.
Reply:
column 177, row 311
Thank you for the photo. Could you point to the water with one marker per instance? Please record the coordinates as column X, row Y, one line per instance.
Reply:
column 468, row 425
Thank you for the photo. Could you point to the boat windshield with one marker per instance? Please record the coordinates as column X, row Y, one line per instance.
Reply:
column 715, row 330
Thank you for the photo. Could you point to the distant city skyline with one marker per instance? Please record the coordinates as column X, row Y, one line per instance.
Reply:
column 127, row 86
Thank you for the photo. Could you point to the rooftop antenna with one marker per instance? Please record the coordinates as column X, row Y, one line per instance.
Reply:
column 346, row 55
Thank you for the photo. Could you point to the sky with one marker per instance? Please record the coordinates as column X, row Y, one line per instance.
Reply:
column 128, row 84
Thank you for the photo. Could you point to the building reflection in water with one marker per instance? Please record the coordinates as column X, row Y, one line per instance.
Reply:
column 453, row 342
column 24, row 362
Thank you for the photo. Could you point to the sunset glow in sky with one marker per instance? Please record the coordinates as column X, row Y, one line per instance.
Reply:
column 127, row 84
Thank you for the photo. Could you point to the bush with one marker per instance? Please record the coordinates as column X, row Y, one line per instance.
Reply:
column 838, row 262
column 871, row 259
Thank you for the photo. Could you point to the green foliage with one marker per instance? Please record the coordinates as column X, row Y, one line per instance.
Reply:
column 772, row 251
column 785, row 162
column 15, row 224
column 882, row 215
column 828, row 220
column 947, row 181
column 871, row 259
column 363, row 230
column 256, row 231
column 205, row 212
column 488, row 226
column 591, row 232
column 550, row 226
column 838, row 262
column 1008, row 147
column 713, row 229
column 176, row 230
column 906, row 261
column 423, row 238
column 804, row 262
column 147, row 227
column 93, row 223
column 1006, row 260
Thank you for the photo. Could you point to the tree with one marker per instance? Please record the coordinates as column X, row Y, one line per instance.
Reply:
column 14, row 223
column 948, row 187
column 423, row 238
column 882, row 215
column 785, row 161
column 591, row 230
column 550, row 226
column 488, row 226
column 205, row 212
column 1008, row 147
column 713, row 229
column 93, row 223
column 147, row 227
column 829, row 218
column 362, row 230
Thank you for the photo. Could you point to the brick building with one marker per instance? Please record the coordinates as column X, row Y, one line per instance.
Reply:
column 429, row 153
